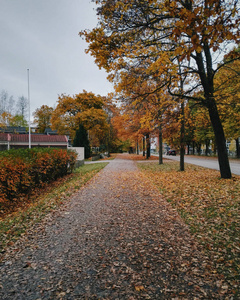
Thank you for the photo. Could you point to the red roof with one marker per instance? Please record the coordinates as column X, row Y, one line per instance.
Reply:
column 5, row 137
column 35, row 138
column 38, row 138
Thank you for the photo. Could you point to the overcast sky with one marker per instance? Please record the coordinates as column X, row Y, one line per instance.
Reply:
column 42, row 36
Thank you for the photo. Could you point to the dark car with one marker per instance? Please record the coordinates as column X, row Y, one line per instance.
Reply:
column 172, row 152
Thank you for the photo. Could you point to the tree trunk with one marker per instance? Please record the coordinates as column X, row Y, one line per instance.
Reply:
column 182, row 138
column 220, row 140
column 182, row 130
column 188, row 149
column 137, row 147
column 206, row 77
column 215, row 149
column 237, row 148
column 207, row 147
column 193, row 148
column 199, row 149
column 108, row 141
column 148, row 145
column 144, row 146
column 160, row 160
column 160, row 142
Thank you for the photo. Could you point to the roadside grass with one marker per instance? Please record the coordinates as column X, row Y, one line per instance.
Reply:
column 33, row 208
column 210, row 207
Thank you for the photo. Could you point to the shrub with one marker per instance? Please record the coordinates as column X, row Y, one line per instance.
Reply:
column 23, row 169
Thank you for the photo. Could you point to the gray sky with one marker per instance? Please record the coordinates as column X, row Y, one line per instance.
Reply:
column 42, row 36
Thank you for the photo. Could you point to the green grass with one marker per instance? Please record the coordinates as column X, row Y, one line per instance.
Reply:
column 16, row 224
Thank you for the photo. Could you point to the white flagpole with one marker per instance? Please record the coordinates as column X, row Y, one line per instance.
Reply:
column 29, row 130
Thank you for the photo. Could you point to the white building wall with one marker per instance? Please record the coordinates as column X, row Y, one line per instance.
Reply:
column 80, row 152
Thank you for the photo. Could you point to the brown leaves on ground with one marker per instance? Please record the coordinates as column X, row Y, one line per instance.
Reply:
column 210, row 206
column 17, row 216
column 116, row 238
column 137, row 157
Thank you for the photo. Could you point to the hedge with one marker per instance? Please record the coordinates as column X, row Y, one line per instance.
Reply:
column 23, row 169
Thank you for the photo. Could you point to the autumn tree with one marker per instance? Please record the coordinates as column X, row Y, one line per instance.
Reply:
column 203, row 133
column 111, row 142
column 227, row 93
column 84, row 108
column 18, row 121
column 5, row 118
column 192, row 32
column 122, row 124
column 42, row 117
column 172, row 126
column 134, row 86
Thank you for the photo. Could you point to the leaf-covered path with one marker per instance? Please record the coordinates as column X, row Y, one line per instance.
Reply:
column 115, row 239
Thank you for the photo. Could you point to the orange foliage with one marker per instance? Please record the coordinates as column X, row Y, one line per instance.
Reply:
column 20, row 173
column 136, row 157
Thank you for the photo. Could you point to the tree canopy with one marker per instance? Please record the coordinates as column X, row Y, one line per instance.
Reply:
column 42, row 117
column 172, row 40
column 83, row 108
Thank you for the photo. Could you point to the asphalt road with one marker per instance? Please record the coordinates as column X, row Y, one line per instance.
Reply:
column 207, row 162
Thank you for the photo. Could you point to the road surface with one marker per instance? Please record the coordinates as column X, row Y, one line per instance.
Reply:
column 211, row 163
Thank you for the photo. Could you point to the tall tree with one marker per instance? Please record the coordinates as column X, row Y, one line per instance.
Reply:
column 188, row 31
column 84, row 108
column 6, row 103
column 81, row 140
column 22, row 106
column 134, row 88
column 42, row 117
column 227, row 93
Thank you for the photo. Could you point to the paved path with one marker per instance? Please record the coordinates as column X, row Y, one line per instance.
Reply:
column 207, row 162
column 116, row 238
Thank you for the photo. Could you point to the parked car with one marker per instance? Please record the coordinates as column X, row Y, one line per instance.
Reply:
column 171, row 152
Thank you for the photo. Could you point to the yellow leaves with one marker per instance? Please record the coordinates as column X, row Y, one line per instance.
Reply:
column 227, row 86
column 208, row 205
column 145, row 120
column 5, row 117
column 176, row 19
column 42, row 117
column 139, row 288
column 83, row 107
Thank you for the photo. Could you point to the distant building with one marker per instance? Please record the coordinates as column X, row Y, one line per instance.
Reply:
column 49, row 131
column 13, row 129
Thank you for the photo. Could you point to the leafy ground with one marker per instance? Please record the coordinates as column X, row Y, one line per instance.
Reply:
column 210, row 206
column 138, row 157
column 16, row 218
column 115, row 238
column 111, row 157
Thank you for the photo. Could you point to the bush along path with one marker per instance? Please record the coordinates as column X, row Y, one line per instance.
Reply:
column 116, row 238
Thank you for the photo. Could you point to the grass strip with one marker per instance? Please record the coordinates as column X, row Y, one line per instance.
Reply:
column 16, row 224
column 210, row 207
